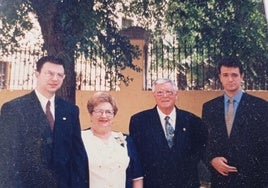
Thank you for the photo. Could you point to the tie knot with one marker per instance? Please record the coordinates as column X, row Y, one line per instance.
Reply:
column 48, row 103
column 231, row 101
column 167, row 118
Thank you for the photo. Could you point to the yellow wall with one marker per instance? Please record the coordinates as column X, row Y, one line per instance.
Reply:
column 132, row 100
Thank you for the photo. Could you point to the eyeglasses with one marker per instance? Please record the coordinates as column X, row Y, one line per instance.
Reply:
column 108, row 113
column 166, row 92
column 50, row 74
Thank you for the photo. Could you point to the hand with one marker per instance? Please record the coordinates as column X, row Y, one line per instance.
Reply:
column 220, row 164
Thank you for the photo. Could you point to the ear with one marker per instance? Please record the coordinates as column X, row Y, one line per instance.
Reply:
column 220, row 78
column 37, row 74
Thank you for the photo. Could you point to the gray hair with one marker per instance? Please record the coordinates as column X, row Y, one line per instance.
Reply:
column 163, row 81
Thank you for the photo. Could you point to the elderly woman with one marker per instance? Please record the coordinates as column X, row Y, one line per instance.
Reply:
column 113, row 161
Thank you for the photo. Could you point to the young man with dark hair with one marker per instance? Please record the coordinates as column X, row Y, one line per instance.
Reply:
column 237, row 148
column 40, row 136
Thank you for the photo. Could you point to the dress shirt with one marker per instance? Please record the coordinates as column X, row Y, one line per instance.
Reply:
column 43, row 100
column 236, row 98
column 172, row 119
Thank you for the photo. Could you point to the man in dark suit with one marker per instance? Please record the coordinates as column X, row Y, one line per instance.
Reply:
column 169, row 149
column 237, row 151
column 41, row 151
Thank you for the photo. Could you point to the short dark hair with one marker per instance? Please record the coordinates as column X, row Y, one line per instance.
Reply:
column 230, row 62
column 50, row 59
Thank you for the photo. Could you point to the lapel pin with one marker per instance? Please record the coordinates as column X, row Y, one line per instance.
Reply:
column 184, row 129
column 64, row 118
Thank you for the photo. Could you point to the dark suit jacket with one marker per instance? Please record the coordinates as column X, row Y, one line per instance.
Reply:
column 164, row 167
column 134, row 169
column 247, row 147
column 31, row 155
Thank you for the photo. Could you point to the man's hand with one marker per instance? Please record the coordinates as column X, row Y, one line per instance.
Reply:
column 220, row 164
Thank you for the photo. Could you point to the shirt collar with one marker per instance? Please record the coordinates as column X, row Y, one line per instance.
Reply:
column 237, row 97
column 172, row 115
column 43, row 100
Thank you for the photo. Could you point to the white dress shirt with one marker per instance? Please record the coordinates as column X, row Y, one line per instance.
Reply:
column 172, row 119
column 43, row 100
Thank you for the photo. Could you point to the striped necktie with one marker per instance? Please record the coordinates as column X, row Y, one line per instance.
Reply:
column 169, row 131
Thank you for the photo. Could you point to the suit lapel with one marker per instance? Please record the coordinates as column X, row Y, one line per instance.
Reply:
column 58, row 112
column 42, row 126
column 60, row 116
column 240, row 116
column 182, row 132
column 218, row 112
column 39, row 114
column 63, row 120
column 157, row 131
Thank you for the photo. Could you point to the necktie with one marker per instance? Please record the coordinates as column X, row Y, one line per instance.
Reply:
column 49, row 116
column 230, row 116
column 169, row 131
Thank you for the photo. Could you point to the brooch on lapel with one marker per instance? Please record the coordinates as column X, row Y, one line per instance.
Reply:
column 121, row 139
column 64, row 118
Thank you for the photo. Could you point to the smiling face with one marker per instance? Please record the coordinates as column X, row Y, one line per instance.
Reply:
column 165, row 97
column 102, row 118
column 49, row 79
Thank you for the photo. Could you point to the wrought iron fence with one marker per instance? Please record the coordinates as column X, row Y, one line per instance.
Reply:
column 17, row 71
column 191, row 67
column 92, row 74
column 18, row 68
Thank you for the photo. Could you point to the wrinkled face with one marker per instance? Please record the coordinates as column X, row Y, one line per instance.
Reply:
column 49, row 79
column 165, row 97
column 102, row 117
column 231, row 79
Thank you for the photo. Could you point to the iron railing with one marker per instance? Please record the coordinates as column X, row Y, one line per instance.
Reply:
column 190, row 66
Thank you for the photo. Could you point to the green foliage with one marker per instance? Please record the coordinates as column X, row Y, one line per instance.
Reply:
column 228, row 28
column 233, row 28
column 14, row 21
column 70, row 26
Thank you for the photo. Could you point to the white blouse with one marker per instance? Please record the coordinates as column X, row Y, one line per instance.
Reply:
column 108, row 161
